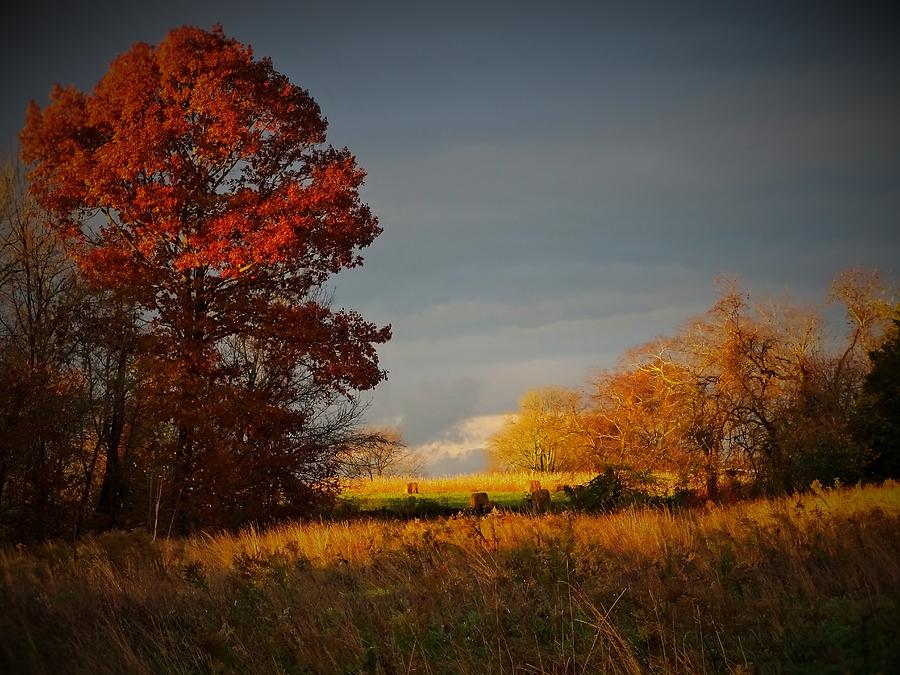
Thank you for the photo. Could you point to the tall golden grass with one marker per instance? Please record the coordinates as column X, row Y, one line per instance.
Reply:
column 802, row 582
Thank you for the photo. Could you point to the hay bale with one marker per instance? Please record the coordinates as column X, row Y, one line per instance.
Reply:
column 534, row 485
column 412, row 488
column 479, row 502
column 540, row 500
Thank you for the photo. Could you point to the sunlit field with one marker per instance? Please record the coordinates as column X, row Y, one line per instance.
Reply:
column 448, row 494
column 801, row 583
column 499, row 481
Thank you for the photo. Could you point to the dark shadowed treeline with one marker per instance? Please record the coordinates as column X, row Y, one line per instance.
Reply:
column 748, row 396
column 87, row 439
column 192, row 372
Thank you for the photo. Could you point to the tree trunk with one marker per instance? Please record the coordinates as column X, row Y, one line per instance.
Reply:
column 109, row 503
column 712, row 472
column 2, row 483
column 111, row 488
column 86, row 491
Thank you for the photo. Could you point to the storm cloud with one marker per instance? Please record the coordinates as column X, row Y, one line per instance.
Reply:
column 556, row 183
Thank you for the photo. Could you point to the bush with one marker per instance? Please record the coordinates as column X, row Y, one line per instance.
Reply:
column 614, row 489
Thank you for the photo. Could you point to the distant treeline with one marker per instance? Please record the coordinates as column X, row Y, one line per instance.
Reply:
column 749, row 396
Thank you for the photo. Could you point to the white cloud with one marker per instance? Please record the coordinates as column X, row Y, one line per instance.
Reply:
column 462, row 439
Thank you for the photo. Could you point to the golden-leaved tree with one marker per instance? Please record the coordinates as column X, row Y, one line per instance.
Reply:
column 545, row 435
column 746, row 388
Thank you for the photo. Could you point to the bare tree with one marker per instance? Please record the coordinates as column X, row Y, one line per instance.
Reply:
column 40, row 295
column 379, row 452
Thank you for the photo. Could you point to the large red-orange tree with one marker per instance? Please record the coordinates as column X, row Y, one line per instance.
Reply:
column 195, row 182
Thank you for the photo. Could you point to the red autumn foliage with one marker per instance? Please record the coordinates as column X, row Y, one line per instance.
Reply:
column 194, row 182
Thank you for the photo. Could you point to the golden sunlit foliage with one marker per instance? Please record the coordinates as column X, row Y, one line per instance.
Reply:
column 795, row 583
column 755, row 392
column 543, row 436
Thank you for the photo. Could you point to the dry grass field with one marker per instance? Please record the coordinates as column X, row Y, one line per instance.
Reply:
column 798, row 584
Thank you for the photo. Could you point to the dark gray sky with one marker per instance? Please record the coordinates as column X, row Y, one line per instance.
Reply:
column 556, row 181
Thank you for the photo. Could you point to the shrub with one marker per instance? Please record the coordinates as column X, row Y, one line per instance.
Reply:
column 614, row 489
